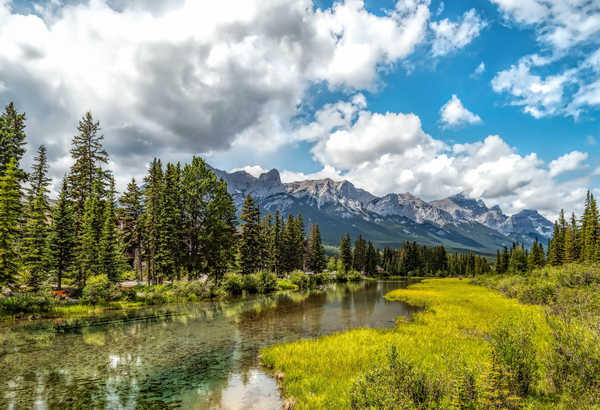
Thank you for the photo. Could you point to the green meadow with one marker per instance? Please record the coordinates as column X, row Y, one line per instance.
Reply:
column 471, row 347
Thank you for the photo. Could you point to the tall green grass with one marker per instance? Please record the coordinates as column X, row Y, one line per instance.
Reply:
column 451, row 338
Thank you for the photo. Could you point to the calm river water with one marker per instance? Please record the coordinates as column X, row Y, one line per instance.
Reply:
column 193, row 356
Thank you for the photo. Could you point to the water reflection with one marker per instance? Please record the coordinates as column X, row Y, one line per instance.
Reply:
column 196, row 356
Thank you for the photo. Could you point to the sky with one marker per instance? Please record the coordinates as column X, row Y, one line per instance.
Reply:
column 498, row 99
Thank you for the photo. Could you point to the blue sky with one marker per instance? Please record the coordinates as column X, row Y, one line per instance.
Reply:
column 345, row 89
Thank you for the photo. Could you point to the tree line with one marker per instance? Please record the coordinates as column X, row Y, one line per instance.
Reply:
column 180, row 222
column 577, row 240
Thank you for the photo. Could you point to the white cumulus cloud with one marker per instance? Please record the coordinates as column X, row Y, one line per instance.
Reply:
column 453, row 114
column 450, row 36
column 568, row 162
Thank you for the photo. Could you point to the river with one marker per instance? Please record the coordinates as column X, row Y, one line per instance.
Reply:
column 192, row 356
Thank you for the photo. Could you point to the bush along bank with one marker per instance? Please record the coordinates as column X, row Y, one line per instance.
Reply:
column 101, row 294
column 470, row 348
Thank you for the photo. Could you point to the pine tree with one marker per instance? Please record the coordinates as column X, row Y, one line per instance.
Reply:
column 217, row 239
column 371, row 260
column 316, row 258
column 360, row 254
column 62, row 238
column 130, row 214
column 250, row 243
column 89, row 155
column 277, row 243
column 289, row 251
column 88, row 239
column 556, row 246
column 266, row 242
column 152, row 202
column 12, row 140
column 10, row 211
column 346, row 253
column 572, row 241
column 109, row 247
column 169, row 226
column 590, row 230
column 299, row 242
column 86, row 178
column 35, row 250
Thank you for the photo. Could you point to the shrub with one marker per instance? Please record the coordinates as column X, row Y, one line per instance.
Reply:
column 340, row 276
column 267, row 282
column 189, row 290
column 283, row 284
column 233, row 283
column 514, row 354
column 299, row 279
column 22, row 303
column 354, row 276
column 251, row 283
column 575, row 360
column 395, row 386
column 99, row 289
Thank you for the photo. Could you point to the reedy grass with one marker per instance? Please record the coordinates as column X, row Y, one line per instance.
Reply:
column 450, row 336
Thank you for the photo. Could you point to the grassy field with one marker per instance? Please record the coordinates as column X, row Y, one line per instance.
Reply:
column 470, row 348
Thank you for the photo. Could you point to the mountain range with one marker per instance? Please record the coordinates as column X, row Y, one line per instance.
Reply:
column 458, row 222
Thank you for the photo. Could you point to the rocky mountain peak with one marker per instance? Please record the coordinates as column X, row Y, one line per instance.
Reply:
column 271, row 177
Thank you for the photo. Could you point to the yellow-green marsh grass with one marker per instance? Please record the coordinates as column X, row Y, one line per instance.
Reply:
column 449, row 336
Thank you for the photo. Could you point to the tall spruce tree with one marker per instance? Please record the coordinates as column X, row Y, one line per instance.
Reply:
column 35, row 249
column 208, row 223
column 130, row 214
column 87, row 177
column 250, row 241
column 12, row 139
column 89, row 156
column 372, row 260
column 277, row 243
column 266, row 242
column 89, row 235
column 10, row 211
column 62, row 239
column 299, row 242
column 346, row 253
column 316, row 258
column 169, row 226
column 360, row 254
column 109, row 257
column 572, row 240
column 152, row 201
column 217, row 238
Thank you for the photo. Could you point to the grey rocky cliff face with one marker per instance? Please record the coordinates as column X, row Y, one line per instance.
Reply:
column 343, row 199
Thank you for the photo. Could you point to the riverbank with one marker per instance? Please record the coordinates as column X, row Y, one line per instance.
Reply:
column 101, row 296
column 190, row 355
column 471, row 346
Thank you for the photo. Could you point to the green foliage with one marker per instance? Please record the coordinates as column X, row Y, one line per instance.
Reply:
column 397, row 385
column 10, row 211
column 514, row 354
column 284, row 284
column 130, row 213
column 233, row 283
column 250, row 241
column 99, row 289
column 35, row 250
column 267, row 282
column 62, row 238
column 12, row 140
column 299, row 279
column 447, row 348
column 354, row 276
column 346, row 253
column 23, row 303
column 316, row 256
